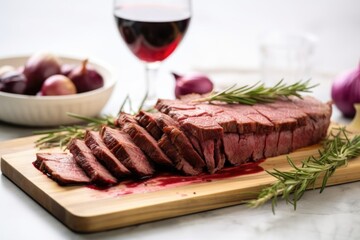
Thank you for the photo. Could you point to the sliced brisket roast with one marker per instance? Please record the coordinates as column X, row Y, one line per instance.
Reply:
column 179, row 161
column 247, row 133
column 147, row 144
column 180, row 144
column 102, row 153
column 88, row 162
column 147, row 121
column 61, row 167
column 130, row 155
column 189, row 137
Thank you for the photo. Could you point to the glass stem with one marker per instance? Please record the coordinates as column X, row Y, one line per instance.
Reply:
column 151, row 70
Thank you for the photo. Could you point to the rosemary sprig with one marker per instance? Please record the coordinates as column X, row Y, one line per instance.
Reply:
column 61, row 136
column 338, row 148
column 258, row 93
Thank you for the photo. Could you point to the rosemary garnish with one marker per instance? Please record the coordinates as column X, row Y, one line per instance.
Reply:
column 61, row 136
column 258, row 93
column 338, row 148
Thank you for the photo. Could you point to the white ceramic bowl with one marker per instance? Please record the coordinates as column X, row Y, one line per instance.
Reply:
column 51, row 110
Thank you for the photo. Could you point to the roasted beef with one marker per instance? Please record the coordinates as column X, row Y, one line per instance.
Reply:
column 61, row 167
column 124, row 118
column 147, row 144
column 183, row 146
column 190, row 137
column 130, row 155
column 244, row 133
column 102, row 153
column 87, row 161
column 179, row 161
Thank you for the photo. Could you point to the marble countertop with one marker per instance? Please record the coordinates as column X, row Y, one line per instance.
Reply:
column 224, row 38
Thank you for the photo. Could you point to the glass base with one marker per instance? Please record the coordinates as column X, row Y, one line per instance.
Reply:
column 149, row 104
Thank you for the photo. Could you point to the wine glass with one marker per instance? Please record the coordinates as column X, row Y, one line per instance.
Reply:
column 152, row 29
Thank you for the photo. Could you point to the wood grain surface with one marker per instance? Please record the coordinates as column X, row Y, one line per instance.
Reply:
column 85, row 209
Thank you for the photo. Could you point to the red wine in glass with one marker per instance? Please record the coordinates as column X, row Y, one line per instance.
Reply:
column 152, row 29
column 151, row 35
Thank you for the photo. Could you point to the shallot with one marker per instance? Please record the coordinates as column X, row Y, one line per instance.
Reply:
column 345, row 92
column 38, row 68
column 57, row 85
column 13, row 82
column 192, row 83
column 86, row 78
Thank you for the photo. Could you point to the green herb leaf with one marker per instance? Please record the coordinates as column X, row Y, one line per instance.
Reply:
column 61, row 136
column 338, row 148
column 258, row 93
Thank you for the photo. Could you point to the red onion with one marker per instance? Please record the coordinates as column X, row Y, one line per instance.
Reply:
column 38, row 68
column 13, row 82
column 66, row 69
column 346, row 91
column 192, row 83
column 5, row 69
column 86, row 78
column 57, row 85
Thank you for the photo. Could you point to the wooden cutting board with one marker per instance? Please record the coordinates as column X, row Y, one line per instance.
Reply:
column 85, row 209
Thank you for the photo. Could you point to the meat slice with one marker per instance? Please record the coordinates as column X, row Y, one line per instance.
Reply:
column 319, row 114
column 147, row 121
column 208, row 150
column 163, row 120
column 227, row 122
column 219, row 155
column 203, row 128
column 263, row 125
column 88, row 162
column 285, row 142
column 279, row 119
column 231, row 148
column 239, row 148
column 249, row 120
column 313, row 107
column 177, row 138
column 130, row 155
column 147, row 144
column 61, row 167
column 259, row 146
column 184, row 147
column 180, row 115
column 155, row 122
column 207, row 132
column 289, row 109
column 243, row 123
column 102, row 153
column 179, row 162
column 124, row 118
column 271, row 144
column 195, row 143
column 224, row 119
column 309, row 134
column 303, row 136
column 166, row 105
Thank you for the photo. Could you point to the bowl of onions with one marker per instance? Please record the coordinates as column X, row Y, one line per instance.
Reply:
column 41, row 89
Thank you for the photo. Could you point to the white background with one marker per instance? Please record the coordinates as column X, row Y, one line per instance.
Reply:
column 222, row 35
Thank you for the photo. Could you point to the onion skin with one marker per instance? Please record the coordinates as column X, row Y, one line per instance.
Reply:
column 66, row 69
column 57, row 85
column 13, row 82
column 192, row 83
column 345, row 92
column 37, row 69
column 85, row 78
column 5, row 69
